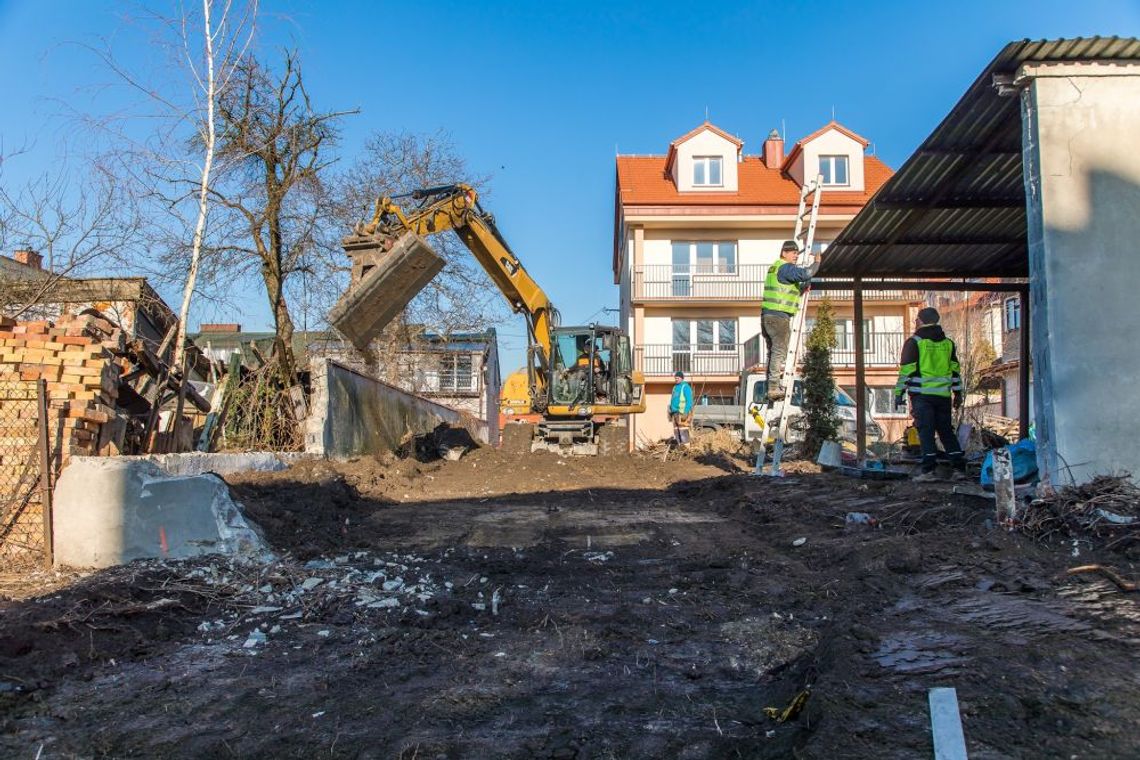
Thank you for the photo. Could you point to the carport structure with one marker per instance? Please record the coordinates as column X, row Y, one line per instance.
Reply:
column 1000, row 197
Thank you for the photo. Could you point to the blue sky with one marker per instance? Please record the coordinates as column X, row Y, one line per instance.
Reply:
column 540, row 95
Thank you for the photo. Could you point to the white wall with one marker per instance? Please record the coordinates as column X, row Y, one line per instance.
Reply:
column 705, row 143
column 1082, row 177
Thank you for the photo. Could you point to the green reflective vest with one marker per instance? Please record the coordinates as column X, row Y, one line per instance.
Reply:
column 777, row 295
column 936, row 369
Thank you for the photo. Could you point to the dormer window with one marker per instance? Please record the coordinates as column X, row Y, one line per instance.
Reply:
column 707, row 171
column 834, row 170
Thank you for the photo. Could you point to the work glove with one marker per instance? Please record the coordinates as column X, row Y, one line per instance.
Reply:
column 900, row 401
column 958, row 400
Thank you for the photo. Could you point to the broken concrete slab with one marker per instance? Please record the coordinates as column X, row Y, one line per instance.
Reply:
column 109, row 511
column 390, row 278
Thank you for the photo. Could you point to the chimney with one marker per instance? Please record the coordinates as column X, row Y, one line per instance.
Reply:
column 28, row 258
column 774, row 150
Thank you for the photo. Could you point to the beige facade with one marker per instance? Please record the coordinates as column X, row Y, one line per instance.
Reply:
column 690, row 261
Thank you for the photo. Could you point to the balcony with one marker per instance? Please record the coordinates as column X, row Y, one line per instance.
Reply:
column 665, row 359
column 705, row 282
column 662, row 360
column 727, row 282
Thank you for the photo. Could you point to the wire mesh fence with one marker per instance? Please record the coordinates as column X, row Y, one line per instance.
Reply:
column 25, row 509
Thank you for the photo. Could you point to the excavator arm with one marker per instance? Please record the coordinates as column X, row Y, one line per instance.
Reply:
column 456, row 208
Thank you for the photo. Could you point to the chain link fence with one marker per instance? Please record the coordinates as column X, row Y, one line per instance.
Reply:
column 25, row 493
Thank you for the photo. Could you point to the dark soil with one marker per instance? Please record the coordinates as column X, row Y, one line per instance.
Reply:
column 584, row 608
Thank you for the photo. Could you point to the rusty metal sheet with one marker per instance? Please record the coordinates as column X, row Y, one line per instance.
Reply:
column 390, row 279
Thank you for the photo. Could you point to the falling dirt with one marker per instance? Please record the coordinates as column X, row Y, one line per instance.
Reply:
column 529, row 606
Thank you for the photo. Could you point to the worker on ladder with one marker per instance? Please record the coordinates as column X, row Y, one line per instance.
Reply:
column 782, row 288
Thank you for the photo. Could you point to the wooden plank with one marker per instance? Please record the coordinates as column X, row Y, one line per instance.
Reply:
column 946, row 725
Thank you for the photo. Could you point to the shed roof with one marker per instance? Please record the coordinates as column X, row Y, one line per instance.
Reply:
column 957, row 206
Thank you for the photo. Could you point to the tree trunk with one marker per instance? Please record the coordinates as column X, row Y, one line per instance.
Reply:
column 204, row 186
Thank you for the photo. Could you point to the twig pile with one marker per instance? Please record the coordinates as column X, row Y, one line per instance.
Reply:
column 261, row 414
column 1106, row 508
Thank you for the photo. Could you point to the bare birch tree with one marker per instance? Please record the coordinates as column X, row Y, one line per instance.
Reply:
column 225, row 43
column 170, row 166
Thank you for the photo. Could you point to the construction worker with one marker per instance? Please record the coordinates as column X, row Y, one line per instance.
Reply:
column 782, row 288
column 681, row 408
column 930, row 374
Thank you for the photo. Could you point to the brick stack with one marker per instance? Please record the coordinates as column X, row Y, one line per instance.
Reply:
column 76, row 356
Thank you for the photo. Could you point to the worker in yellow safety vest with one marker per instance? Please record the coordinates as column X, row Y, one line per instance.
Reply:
column 782, row 288
column 930, row 375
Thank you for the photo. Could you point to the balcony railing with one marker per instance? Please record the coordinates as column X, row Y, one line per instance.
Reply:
column 724, row 282
column 880, row 349
column 665, row 359
column 720, row 282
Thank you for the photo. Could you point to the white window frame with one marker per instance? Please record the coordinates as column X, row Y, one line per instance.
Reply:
column 1012, row 314
column 450, row 373
column 695, row 345
column 719, row 268
column 887, row 393
column 831, row 161
column 706, row 162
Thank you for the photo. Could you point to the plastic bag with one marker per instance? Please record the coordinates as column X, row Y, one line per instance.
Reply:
column 1023, row 456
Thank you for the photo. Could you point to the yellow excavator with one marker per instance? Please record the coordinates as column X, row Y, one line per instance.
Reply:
column 578, row 387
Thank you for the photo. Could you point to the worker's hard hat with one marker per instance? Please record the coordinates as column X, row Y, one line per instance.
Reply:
column 679, row 374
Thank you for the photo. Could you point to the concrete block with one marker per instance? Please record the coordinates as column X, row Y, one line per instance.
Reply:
column 111, row 510
column 392, row 281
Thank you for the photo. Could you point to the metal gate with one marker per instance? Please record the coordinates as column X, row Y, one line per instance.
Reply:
column 25, row 475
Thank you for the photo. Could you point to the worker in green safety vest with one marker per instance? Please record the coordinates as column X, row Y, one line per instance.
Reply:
column 930, row 375
column 782, row 289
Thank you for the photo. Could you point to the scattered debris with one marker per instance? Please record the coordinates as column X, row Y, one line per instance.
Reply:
column 1107, row 509
column 1107, row 572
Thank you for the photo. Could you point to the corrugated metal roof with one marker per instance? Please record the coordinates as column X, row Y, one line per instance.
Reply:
column 957, row 206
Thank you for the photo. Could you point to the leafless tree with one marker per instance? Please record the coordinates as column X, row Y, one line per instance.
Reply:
column 278, row 147
column 225, row 42
column 170, row 167
column 80, row 223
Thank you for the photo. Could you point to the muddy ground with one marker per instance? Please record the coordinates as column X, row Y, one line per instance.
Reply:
column 528, row 606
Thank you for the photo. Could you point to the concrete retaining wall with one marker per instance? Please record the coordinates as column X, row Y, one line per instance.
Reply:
column 1082, row 183
column 223, row 463
column 111, row 510
column 352, row 414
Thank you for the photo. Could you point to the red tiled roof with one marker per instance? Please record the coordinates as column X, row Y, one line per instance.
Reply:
column 644, row 181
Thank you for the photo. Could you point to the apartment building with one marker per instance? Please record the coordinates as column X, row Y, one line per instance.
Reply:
column 695, row 230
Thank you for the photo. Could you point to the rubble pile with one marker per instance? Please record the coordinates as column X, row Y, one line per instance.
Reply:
column 259, row 602
column 1106, row 508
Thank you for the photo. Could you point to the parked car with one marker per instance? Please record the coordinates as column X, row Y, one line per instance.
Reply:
column 712, row 413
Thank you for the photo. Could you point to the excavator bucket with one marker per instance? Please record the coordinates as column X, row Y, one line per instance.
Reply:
column 385, row 278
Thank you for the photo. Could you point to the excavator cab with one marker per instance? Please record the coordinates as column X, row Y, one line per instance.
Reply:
column 592, row 390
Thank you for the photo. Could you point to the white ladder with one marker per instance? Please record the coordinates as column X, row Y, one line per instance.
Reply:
column 804, row 238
